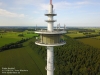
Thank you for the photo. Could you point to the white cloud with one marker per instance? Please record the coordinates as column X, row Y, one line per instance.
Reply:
column 94, row 13
column 43, row 6
column 36, row 12
column 0, row 3
column 6, row 13
column 64, row 4
column 25, row 2
column 82, row 3
column 16, row 8
column 58, row 5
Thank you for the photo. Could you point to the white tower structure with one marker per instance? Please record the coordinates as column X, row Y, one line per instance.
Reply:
column 50, row 38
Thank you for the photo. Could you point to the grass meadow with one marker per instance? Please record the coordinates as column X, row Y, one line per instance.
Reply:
column 98, row 37
column 72, row 35
column 91, row 41
column 11, row 37
column 23, row 58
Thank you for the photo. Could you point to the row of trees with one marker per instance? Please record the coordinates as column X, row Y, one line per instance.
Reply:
column 17, row 44
column 17, row 29
column 74, row 58
column 21, row 35
column 86, row 30
column 87, row 36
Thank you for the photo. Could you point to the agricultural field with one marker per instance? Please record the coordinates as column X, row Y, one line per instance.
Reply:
column 73, row 35
column 91, row 41
column 98, row 37
column 11, row 37
column 96, row 29
column 23, row 59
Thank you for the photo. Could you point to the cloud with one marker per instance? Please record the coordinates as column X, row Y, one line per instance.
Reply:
column 82, row 3
column 43, row 6
column 16, row 8
column 94, row 13
column 6, row 13
column 57, row 5
column 26, row 2
column 1, row 3
column 23, row 1
column 64, row 4
column 36, row 12
column 61, row 5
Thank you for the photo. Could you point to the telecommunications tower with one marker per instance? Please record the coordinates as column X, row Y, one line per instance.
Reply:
column 50, row 38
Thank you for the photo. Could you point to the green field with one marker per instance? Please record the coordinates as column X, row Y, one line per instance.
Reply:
column 23, row 58
column 81, row 32
column 98, row 37
column 90, row 41
column 10, row 37
column 75, row 35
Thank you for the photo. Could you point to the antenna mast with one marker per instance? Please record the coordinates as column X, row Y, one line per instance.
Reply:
column 51, row 2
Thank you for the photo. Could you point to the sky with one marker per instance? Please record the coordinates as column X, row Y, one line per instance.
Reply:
column 31, row 12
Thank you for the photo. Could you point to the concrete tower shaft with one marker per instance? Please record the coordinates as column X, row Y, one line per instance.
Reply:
column 50, row 59
column 50, row 51
column 50, row 18
column 50, row 38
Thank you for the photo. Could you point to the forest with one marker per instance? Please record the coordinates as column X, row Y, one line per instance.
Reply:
column 74, row 58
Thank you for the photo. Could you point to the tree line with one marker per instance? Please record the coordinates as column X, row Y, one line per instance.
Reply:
column 17, row 44
column 87, row 36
